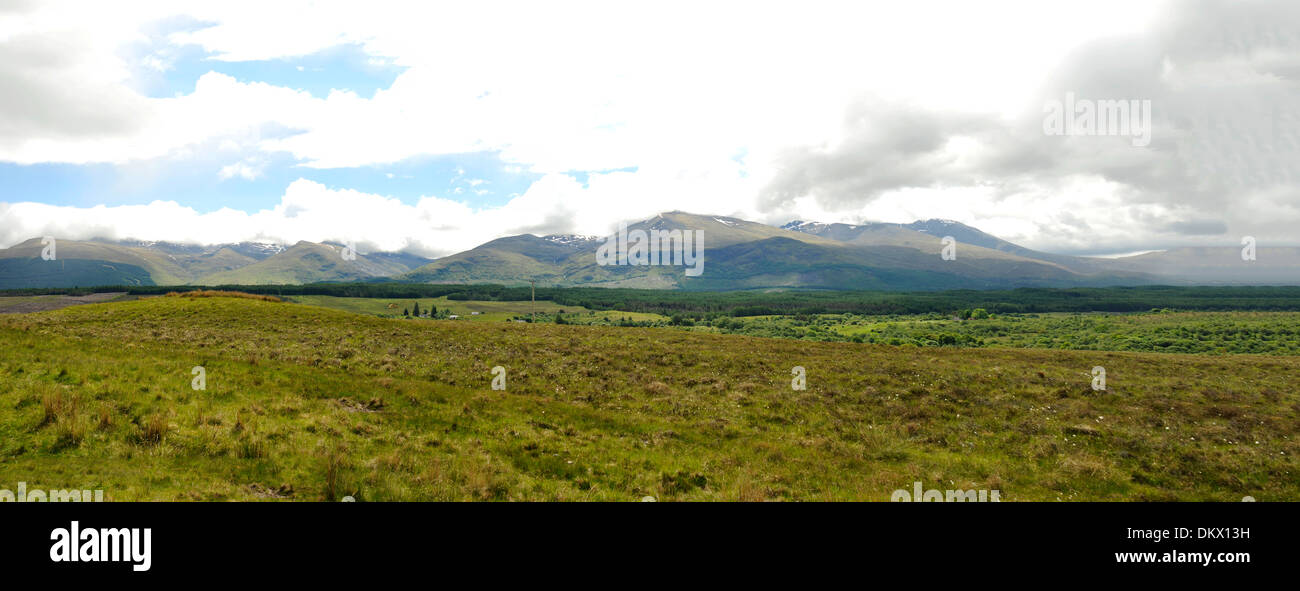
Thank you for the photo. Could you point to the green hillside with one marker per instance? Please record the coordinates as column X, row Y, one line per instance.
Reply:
column 18, row 273
column 87, row 264
column 506, row 260
column 224, row 259
column 746, row 255
column 305, row 262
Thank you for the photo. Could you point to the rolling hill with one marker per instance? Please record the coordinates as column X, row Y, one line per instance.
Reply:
column 307, row 262
column 738, row 254
column 87, row 263
column 506, row 260
column 741, row 254
column 97, row 262
column 924, row 235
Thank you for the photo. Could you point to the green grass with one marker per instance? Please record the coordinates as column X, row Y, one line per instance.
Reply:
column 1272, row 333
column 1162, row 331
column 331, row 403
column 1172, row 332
column 490, row 311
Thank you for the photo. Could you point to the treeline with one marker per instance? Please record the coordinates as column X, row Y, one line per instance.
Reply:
column 707, row 305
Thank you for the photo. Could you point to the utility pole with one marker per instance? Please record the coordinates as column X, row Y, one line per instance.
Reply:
column 533, row 285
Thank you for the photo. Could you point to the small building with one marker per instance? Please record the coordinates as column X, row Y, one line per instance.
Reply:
column 453, row 317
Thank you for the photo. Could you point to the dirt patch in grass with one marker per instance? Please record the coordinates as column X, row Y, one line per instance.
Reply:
column 43, row 303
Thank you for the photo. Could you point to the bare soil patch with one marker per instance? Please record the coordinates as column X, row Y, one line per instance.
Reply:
column 43, row 303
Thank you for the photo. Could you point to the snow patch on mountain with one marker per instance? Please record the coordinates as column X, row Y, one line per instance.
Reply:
column 570, row 239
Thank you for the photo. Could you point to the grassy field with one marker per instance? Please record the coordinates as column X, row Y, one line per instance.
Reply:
column 1160, row 331
column 1272, row 333
column 491, row 311
column 309, row 403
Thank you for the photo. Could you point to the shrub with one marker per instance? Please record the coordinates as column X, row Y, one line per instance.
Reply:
column 216, row 293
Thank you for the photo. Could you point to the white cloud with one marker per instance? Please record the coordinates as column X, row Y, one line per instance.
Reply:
column 558, row 203
column 433, row 226
column 702, row 100
column 249, row 171
column 564, row 86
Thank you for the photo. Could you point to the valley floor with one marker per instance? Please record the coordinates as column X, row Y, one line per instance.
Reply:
column 308, row 403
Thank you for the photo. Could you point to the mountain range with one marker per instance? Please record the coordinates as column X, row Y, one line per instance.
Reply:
column 100, row 262
column 738, row 254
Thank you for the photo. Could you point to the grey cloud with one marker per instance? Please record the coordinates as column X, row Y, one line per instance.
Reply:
column 16, row 6
column 887, row 146
column 1198, row 228
column 559, row 221
column 1225, row 99
column 1073, row 221
column 44, row 96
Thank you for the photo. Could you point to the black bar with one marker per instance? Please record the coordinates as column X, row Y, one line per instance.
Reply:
column 989, row 542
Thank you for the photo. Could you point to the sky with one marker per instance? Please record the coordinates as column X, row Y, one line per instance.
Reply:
column 433, row 127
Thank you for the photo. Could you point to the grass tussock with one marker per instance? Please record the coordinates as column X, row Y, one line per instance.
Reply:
column 62, row 412
column 152, row 429
column 216, row 293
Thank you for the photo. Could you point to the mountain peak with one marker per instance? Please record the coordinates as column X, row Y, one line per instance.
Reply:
column 937, row 222
column 570, row 239
column 940, row 227
column 812, row 227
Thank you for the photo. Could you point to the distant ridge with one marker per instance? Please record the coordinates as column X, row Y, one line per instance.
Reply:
column 739, row 254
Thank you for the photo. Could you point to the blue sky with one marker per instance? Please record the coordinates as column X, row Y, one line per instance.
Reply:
column 480, row 179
